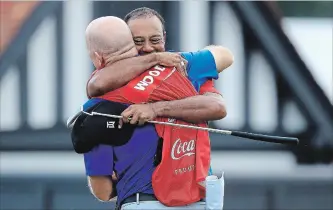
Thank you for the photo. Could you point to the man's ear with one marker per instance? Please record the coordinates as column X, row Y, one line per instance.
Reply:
column 98, row 61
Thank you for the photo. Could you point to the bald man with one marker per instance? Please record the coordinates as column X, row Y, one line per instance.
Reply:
column 109, row 40
column 105, row 48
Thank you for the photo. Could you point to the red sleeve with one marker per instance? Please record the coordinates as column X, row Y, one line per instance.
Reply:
column 208, row 87
column 94, row 72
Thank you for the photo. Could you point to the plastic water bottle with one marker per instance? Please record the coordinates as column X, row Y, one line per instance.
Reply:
column 214, row 192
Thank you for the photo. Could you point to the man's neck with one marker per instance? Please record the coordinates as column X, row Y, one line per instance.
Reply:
column 120, row 55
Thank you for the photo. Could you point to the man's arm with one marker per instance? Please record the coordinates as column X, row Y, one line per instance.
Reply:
column 222, row 56
column 205, row 107
column 101, row 187
column 209, row 105
column 193, row 109
column 121, row 72
column 99, row 169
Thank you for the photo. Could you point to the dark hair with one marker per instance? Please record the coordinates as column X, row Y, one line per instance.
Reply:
column 144, row 12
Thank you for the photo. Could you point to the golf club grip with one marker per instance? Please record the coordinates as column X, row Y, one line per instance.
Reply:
column 266, row 138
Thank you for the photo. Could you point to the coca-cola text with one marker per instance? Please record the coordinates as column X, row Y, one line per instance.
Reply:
column 181, row 149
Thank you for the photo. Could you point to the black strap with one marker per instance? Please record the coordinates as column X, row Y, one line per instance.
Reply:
column 158, row 153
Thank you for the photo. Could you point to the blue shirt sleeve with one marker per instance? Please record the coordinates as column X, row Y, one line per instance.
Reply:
column 99, row 161
column 200, row 67
column 91, row 102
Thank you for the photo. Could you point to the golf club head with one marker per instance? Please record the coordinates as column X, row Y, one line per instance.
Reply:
column 71, row 120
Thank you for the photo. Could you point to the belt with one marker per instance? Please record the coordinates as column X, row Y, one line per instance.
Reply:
column 138, row 197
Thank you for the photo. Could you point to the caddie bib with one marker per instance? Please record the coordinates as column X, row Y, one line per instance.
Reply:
column 178, row 179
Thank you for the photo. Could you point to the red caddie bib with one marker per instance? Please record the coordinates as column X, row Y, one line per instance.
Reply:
column 177, row 180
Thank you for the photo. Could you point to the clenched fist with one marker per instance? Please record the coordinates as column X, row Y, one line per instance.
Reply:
column 138, row 114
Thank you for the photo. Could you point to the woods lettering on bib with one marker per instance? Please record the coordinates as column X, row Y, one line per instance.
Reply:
column 186, row 152
column 149, row 79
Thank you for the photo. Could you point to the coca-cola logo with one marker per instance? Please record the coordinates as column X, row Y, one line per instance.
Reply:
column 181, row 149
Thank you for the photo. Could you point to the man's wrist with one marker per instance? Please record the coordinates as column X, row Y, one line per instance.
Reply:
column 153, row 58
column 160, row 108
